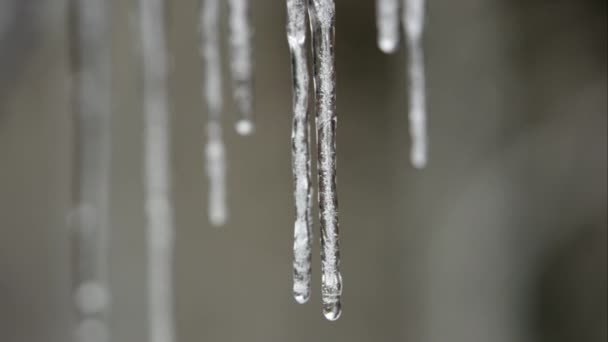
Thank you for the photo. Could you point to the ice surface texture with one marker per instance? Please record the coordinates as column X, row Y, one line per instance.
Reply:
column 322, row 22
column 302, row 248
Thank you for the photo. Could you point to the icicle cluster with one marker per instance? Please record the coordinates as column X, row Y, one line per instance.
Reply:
column 412, row 20
column 93, row 106
column 322, row 22
column 90, row 218
column 157, row 172
column 241, row 70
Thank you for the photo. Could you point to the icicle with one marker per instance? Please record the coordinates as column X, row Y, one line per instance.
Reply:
column 387, row 21
column 157, row 172
column 90, row 219
column 215, row 156
column 413, row 24
column 322, row 21
column 302, row 247
column 241, row 63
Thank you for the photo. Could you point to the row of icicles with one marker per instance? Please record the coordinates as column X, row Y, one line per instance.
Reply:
column 92, row 64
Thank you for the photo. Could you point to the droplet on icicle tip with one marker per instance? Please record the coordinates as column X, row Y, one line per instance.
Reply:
column 388, row 45
column 332, row 311
column 218, row 217
column 244, row 127
column 419, row 159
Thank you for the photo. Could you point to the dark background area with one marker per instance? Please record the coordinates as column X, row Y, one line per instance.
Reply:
column 501, row 239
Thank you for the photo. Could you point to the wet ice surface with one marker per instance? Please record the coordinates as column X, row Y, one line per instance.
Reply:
column 322, row 21
column 302, row 248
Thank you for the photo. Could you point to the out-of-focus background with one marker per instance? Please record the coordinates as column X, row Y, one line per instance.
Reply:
column 501, row 239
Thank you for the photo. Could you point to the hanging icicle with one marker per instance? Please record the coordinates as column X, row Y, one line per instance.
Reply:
column 214, row 151
column 300, row 150
column 241, row 66
column 322, row 21
column 90, row 220
column 413, row 25
column 388, row 25
column 157, row 172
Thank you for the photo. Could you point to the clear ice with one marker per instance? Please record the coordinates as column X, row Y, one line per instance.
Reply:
column 90, row 219
column 413, row 25
column 300, row 150
column 157, row 172
column 241, row 65
column 388, row 25
column 322, row 21
column 214, row 151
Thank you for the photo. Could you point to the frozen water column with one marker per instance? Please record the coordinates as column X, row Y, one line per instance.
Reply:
column 90, row 218
column 300, row 150
column 157, row 172
column 322, row 21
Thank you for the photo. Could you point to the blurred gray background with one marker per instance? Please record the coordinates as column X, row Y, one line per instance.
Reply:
column 501, row 239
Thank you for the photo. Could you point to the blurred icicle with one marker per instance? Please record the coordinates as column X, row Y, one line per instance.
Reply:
column 413, row 25
column 322, row 21
column 157, row 172
column 90, row 218
column 302, row 248
column 214, row 151
column 388, row 21
column 241, row 62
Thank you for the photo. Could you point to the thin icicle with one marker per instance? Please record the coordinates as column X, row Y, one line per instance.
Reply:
column 387, row 22
column 90, row 219
column 300, row 150
column 322, row 21
column 214, row 151
column 157, row 172
column 241, row 65
column 413, row 25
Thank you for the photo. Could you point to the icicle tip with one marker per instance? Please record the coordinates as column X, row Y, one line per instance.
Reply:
column 301, row 298
column 388, row 46
column 419, row 160
column 217, row 217
column 332, row 311
column 244, row 127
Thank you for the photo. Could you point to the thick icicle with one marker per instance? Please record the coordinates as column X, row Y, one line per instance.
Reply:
column 413, row 25
column 90, row 219
column 387, row 22
column 214, row 151
column 157, row 172
column 322, row 20
column 300, row 150
column 241, row 64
